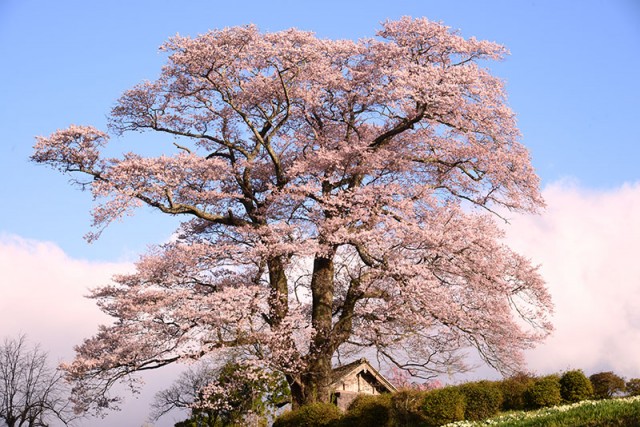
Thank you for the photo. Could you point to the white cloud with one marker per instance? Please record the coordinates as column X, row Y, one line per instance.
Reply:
column 42, row 295
column 587, row 244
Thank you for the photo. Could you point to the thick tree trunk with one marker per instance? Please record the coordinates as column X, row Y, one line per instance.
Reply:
column 297, row 392
column 322, row 302
column 312, row 385
column 316, row 379
column 317, row 376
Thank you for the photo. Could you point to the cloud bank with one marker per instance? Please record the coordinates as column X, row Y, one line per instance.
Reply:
column 42, row 295
column 587, row 244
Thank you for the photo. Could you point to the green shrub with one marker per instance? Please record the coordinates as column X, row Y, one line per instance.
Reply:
column 514, row 390
column 607, row 384
column 483, row 400
column 544, row 392
column 575, row 386
column 367, row 410
column 442, row 406
column 313, row 415
column 406, row 409
column 633, row 387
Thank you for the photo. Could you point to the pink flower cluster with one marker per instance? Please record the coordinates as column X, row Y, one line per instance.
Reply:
column 338, row 197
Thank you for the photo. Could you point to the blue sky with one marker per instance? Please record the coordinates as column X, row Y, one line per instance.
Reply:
column 572, row 78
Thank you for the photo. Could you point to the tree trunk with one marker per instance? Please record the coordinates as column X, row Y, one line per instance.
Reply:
column 278, row 298
column 317, row 379
column 297, row 392
column 317, row 376
column 313, row 384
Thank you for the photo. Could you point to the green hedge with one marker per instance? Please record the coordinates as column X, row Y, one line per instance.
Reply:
column 406, row 409
column 483, row 398
column 312, row 415
column 514, row 391
column 544, row 392
column 443, row 406
column 367, row 410
column 474, row 401
column 575, row 387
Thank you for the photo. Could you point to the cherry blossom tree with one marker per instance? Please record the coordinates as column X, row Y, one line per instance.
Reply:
column 339, row 196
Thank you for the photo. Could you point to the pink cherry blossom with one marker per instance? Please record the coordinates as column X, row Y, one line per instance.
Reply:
column 339, row 198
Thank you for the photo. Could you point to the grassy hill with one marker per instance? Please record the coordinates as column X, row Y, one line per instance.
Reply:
column 623, row 412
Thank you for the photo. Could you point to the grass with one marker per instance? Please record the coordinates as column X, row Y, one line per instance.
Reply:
column 589, row 413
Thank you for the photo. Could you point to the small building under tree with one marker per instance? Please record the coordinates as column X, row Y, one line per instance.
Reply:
column 355, row 378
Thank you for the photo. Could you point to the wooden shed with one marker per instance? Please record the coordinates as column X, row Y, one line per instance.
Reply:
column 355, row 378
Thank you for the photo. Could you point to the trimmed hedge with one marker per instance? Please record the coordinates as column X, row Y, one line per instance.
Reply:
column 312, row 415
column 442, row 406
column 514, row 391
column 483, row 398
column 406, row 409
column 575, row 386
column 367, row 410
column 473, row 401
column 544, row 392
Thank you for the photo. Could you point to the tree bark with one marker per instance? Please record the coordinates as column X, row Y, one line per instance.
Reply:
column 316, row 380
column 317, row 376
column 278, row 302
column 297, row 392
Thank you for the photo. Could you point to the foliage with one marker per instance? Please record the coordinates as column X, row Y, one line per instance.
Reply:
column 442, row 406
column 633, row 387
column 231, row 395
column 483, row 399
column 368, row 410
column 575, row 386
column 312, row 415
column 602, row 413
column 544, row 392
column 514, row 391
column 607, row 384
column 31, row 392
column 337, row 196
column 406, row 408
column 202, row 420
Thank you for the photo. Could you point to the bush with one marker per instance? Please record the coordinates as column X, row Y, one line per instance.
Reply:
column 575, row 386
column 313, row 415
column 367, row 410
column 483, row 399
column 544, row 392
column 442, row 406
column 633, row 387
column 406, row 409
column 514, row 391
column 607, row 384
